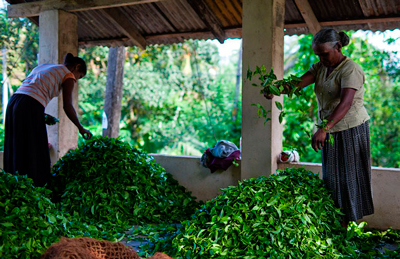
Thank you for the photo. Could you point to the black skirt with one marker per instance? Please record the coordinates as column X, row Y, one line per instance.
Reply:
column 346, row 168
column 26, row 148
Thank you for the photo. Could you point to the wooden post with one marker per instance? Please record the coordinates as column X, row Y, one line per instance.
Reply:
column 112, row 102
column 263, row 22
column 58, row 35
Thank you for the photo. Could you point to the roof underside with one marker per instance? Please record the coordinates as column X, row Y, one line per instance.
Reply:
column 172, row 21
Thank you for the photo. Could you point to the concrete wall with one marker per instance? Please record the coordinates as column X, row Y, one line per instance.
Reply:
column 204, row 185
column 188, row 171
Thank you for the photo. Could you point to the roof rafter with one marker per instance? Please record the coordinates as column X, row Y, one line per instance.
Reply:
column 231, row 32
column 367, row 10
column 34, row 8
column 308, row 16
column 209, row 18
column 130, row 30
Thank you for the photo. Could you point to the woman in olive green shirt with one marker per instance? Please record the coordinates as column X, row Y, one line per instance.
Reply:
column 339, row 87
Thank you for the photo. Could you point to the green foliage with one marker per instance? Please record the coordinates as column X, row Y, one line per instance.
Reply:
column 30, row 222
column 288, row 215
column 177, row 99
column 371, row 243
column 20, row 37
column 107, row 182
column 27, row 218
column 1, row 136
column 365, row 243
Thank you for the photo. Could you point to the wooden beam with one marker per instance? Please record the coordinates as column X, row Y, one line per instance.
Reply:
column 112, row 42
column 308, row 16
column 367, row 10
column 209, row 18
column 123, row 23
column 34, row 8
column 347, row 22
column 231, row 32
column 361, row 21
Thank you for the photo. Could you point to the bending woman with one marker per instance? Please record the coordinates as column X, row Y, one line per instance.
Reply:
column 26, row 148
column 339, row 87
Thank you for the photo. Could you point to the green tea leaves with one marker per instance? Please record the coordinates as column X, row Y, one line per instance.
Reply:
column 271, row 86
column 106, row 180
column 281, row 216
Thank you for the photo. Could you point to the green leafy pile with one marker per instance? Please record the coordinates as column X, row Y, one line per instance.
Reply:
column 107, row 182
column 288, row 215
column 29, row 221
column 373, row 243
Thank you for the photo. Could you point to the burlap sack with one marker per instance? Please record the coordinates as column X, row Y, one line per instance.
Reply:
column 88, row 248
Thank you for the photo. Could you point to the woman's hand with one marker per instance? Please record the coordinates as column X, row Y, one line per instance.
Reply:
column 268, row 96
column 85, row 134
column 318, row 139
column 286, row 90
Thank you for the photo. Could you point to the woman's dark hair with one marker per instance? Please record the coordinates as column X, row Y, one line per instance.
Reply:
column 70, row 61
column 330, row 35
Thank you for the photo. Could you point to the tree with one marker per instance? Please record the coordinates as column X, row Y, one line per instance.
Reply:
column 176, row 98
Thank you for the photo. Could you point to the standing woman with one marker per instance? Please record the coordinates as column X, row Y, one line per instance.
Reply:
column 26, row 148
column 339, row 87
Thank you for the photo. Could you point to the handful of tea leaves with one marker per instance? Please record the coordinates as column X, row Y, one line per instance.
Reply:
column 50, row 120
column 324, row 125
column 270, row 85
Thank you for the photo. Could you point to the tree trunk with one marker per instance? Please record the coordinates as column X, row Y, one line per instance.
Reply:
column 112, row 102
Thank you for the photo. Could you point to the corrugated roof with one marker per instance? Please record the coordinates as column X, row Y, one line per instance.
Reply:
column 171, row 21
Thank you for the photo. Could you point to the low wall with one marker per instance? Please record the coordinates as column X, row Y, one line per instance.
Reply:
column 204, row 185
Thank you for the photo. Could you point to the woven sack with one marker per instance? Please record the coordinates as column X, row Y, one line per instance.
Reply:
column 88, row 248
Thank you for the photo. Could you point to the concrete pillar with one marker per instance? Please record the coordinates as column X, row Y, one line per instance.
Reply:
column 58, row 35
column 262, row 33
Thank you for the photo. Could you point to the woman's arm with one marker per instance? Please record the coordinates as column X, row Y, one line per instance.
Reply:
column 346, row 100
column 68, row 87
column 306, row 80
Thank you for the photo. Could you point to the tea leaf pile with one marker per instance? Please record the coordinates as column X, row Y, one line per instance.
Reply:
column 101, row 189
column 108, row 182
column 289, row 215
column 27, row 217
column 30, row 222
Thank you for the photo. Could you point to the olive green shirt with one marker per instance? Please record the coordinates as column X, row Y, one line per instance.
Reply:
column 347, row 74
